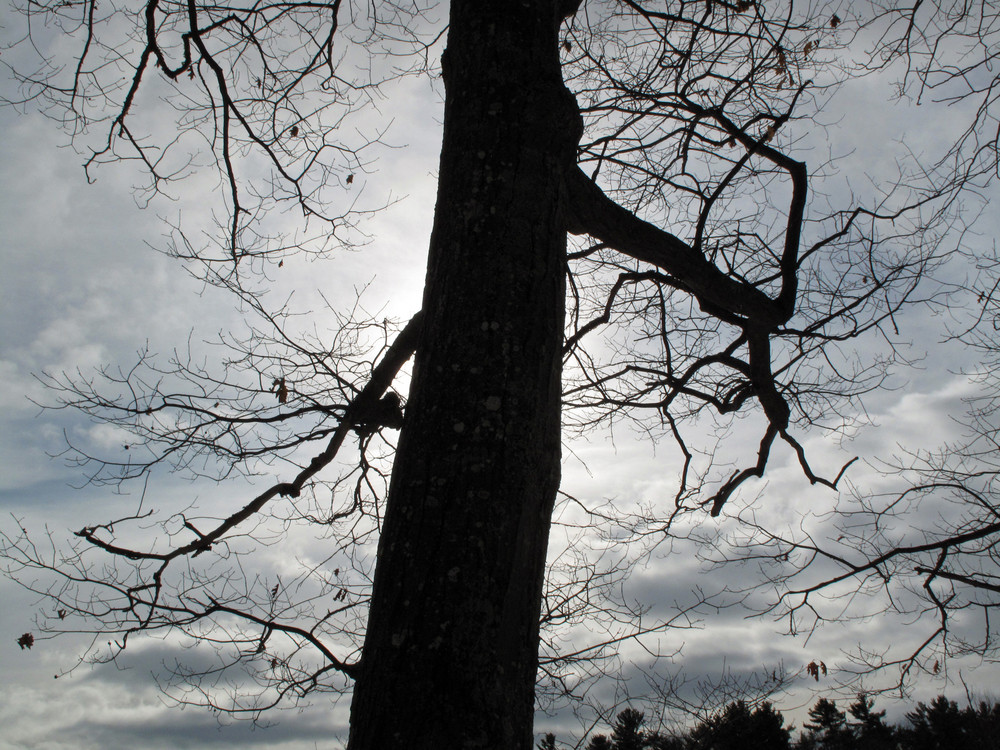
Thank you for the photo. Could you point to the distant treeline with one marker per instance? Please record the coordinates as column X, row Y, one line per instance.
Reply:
column 939, row 725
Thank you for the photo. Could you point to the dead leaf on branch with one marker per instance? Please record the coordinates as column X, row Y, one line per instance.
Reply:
column 814, row 668
column 782, row 66
column 27, row 640
column 281, row 389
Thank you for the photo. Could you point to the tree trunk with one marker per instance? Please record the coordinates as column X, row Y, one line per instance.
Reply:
column 450, row 655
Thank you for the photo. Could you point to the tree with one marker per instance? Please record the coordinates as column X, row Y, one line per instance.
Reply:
column 828, row 728
column 870, row 731
column 942, row 724
column 739, row 726
column 609, row 126
column 984, row 723
column 628, row 734
column 926, row 547
column 938, row 725
column 940, row 570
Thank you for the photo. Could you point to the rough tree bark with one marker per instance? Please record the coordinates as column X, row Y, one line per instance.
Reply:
column 450, row 654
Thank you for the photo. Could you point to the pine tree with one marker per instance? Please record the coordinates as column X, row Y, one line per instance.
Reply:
column 828, row 728
column 870, row 732
column 738, row 727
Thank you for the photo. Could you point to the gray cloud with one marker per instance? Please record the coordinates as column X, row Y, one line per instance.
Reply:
column 80, row 289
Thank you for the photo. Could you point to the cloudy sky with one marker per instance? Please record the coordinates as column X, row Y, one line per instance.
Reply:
column 82, row 288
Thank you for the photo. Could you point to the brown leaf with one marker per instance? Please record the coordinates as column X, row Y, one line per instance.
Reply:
column 294, row 131
column 350, row 179
column 782, row 60
column 834, row 21
column 281, row 389
column 27, row 640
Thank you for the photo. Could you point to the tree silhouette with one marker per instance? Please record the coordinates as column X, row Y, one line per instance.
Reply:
column 739, row 726
column 662, row 142
column 939, row 724
column 942, row 724
column 627, row 733
column 870, row 732
column 827, row 728
column 937, row 570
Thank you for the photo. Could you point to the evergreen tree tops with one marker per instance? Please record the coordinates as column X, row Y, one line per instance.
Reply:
column 940, row 725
